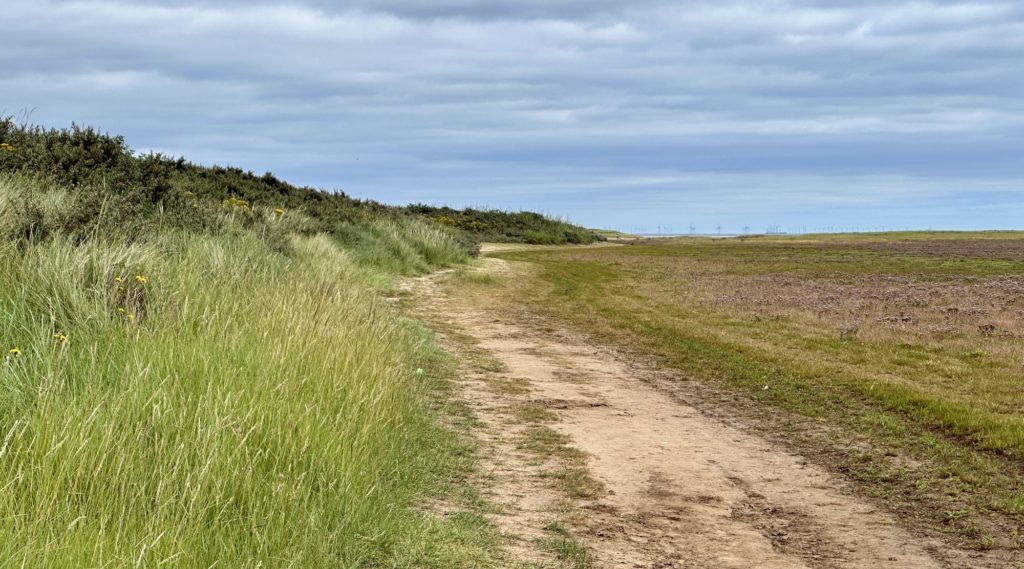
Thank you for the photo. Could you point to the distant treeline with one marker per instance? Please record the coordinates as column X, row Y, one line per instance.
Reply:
column 114, row 185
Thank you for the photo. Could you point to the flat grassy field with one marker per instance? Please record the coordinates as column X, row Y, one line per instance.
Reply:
column 897, row 359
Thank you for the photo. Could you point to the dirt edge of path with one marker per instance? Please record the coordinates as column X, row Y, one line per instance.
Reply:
column 666, row 484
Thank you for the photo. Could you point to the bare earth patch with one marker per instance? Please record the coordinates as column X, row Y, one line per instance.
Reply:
column 678, row 487
column 1008, row 249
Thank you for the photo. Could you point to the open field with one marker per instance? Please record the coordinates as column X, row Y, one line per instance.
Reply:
column 895, row 360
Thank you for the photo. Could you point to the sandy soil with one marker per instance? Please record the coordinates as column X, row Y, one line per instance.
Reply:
column 683, row 489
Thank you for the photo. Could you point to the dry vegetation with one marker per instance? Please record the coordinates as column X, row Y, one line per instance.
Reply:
column 958, row 338
column 897, row 359
column 995, row 246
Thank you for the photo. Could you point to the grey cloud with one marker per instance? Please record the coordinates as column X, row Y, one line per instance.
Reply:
column 465, row 9
column 429, row 96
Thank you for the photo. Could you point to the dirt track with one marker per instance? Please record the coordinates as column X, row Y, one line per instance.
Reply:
column 683, row 489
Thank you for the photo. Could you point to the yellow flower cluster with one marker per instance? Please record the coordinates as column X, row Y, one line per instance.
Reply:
column 141, row 279
column 15, row 352
column 237, row 203
column 278, row 212
column 447, row 220
column 461, row 222
column 191, row 196
column 6, row 147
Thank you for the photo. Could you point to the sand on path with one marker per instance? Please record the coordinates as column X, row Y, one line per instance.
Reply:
column 682, row 488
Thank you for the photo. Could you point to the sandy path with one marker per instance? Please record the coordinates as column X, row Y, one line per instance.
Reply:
column 683, row 489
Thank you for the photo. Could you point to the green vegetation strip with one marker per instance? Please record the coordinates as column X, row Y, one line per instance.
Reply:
column 113, row 186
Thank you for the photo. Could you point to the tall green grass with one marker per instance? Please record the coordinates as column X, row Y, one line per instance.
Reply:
column 204, row 399
column 409, row 246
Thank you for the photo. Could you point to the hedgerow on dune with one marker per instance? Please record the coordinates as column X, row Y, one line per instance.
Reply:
column 105, row 173
column 190, row 382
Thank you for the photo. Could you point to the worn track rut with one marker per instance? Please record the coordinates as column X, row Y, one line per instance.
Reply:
column 683, row 489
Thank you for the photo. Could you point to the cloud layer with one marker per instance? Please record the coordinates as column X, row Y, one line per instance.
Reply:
column 626, row 114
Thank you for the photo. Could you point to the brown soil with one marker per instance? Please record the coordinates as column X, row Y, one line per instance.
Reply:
column 1006, row 249
column 683, row 489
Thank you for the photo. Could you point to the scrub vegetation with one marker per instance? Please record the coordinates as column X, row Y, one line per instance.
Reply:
column 505, row 227
column 110, row 179
column 896, row 358
column 200, row 368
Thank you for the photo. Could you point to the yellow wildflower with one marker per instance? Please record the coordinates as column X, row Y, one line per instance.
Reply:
column 60, row 337
column 118, row 279
column 15, row 351
column 6, row 147
column 130, row 316
column 237, row 202
column 278, row 211
column 141, row 279
column 120, row 310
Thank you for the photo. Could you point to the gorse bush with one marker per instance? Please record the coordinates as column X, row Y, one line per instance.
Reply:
column 508, row 227
column 111, row 182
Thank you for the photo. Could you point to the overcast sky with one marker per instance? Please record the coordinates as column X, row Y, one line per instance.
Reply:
column 623, row 114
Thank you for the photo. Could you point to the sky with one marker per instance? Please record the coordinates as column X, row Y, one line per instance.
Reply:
column 639, row 115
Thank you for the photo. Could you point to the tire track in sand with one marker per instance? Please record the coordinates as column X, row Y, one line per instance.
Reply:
column 684, row 490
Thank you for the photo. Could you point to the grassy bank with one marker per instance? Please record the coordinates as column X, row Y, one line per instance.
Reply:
column 894, row 358
column 236, row 394
column 104, row 171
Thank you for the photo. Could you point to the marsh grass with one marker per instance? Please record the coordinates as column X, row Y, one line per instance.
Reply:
column 194, row 399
